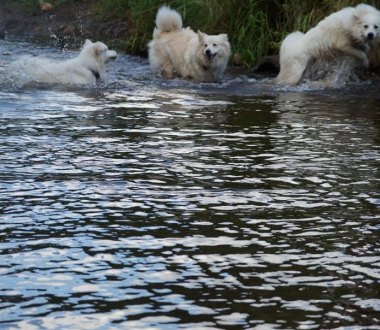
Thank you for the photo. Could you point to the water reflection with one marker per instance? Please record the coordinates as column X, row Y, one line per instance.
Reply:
column 152, row 205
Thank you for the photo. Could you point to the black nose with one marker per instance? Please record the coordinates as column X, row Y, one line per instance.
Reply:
column 370, row 36
column 208, row 52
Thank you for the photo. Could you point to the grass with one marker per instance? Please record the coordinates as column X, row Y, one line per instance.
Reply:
column 255, row 27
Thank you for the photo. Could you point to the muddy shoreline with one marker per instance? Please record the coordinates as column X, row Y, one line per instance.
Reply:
column 63, row 25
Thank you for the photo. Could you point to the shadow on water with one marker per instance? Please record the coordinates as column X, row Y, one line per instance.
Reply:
column 171, row 204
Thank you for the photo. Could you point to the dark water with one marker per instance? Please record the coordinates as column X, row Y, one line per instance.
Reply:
column 147, row 204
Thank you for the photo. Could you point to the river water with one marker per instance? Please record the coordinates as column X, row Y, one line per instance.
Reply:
column 152, row 204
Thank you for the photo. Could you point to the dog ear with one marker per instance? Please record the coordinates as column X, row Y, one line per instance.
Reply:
column 356, row 19
column 224, row 36
column 201, row 36
column 363, row 8
column 96, row 48
column 87, row 42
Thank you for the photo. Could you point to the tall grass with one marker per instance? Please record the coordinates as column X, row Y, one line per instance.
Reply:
column 255, row 27
column 250, row 30
column 244, row 21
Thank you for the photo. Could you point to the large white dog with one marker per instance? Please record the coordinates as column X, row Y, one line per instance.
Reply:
column 343, row 33
column 87, row 68
column 175, row 51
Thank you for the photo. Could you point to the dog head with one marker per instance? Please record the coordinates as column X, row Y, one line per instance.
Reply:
column 367, row 22
column 214, row 46
column 95, row 56
column 100, row 51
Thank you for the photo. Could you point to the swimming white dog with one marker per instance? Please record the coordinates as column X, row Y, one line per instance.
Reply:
column 175, row 51
column 87, row 68
column 343, row 33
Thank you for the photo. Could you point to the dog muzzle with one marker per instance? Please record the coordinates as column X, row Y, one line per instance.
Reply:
column 209, row 54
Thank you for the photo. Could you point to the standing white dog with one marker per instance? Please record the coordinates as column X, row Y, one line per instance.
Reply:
column 87, row 68
column 343, row 33
column 177, row 51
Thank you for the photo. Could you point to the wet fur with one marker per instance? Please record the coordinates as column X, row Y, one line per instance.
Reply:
column 344, row 33
column 87, row 68
column 175, row 51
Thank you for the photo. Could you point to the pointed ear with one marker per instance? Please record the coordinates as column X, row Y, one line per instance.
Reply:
column 87, row 42
column 201, row 36
column 363, row 8
column 225, row 37
column 356, row 18
column 96, row 48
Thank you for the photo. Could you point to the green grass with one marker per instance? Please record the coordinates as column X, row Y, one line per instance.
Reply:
column 255, row 27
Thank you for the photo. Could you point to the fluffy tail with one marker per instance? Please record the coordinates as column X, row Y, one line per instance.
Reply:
column 167, row 20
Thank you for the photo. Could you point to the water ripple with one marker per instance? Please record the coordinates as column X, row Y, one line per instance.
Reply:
column 166, row 204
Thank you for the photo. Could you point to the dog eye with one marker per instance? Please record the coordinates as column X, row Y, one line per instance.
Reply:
column 214, row 45
column 206, row 45
column 366, row 26
column 375, row 26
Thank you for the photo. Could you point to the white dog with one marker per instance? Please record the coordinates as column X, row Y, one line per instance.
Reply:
column 343, row 33
column 87, row 68
column 177, row 51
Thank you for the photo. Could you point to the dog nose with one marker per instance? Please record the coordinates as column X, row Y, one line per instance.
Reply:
column 370, row 36
column 111, row 54
column 208, row 52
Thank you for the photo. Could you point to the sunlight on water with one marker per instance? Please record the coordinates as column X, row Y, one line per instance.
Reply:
column 145, row 203
column 155, row 99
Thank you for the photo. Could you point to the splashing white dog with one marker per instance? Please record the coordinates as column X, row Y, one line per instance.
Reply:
column 88, row 67
column 347, row 32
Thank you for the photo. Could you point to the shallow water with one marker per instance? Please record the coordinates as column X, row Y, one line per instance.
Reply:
column 145, row 203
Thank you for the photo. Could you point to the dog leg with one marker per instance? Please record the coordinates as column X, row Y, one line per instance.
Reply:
column 357, row 53
column 167, row 71
column 291, row 73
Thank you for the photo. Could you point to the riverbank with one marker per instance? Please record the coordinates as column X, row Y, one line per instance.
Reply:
column 64, row 23
column 255, row 28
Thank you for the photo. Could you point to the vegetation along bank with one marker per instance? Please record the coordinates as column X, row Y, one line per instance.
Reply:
column 255, row 27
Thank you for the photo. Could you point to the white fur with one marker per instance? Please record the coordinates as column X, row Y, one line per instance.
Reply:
column 87, row 68
column 175, row 51
column 343, row 33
